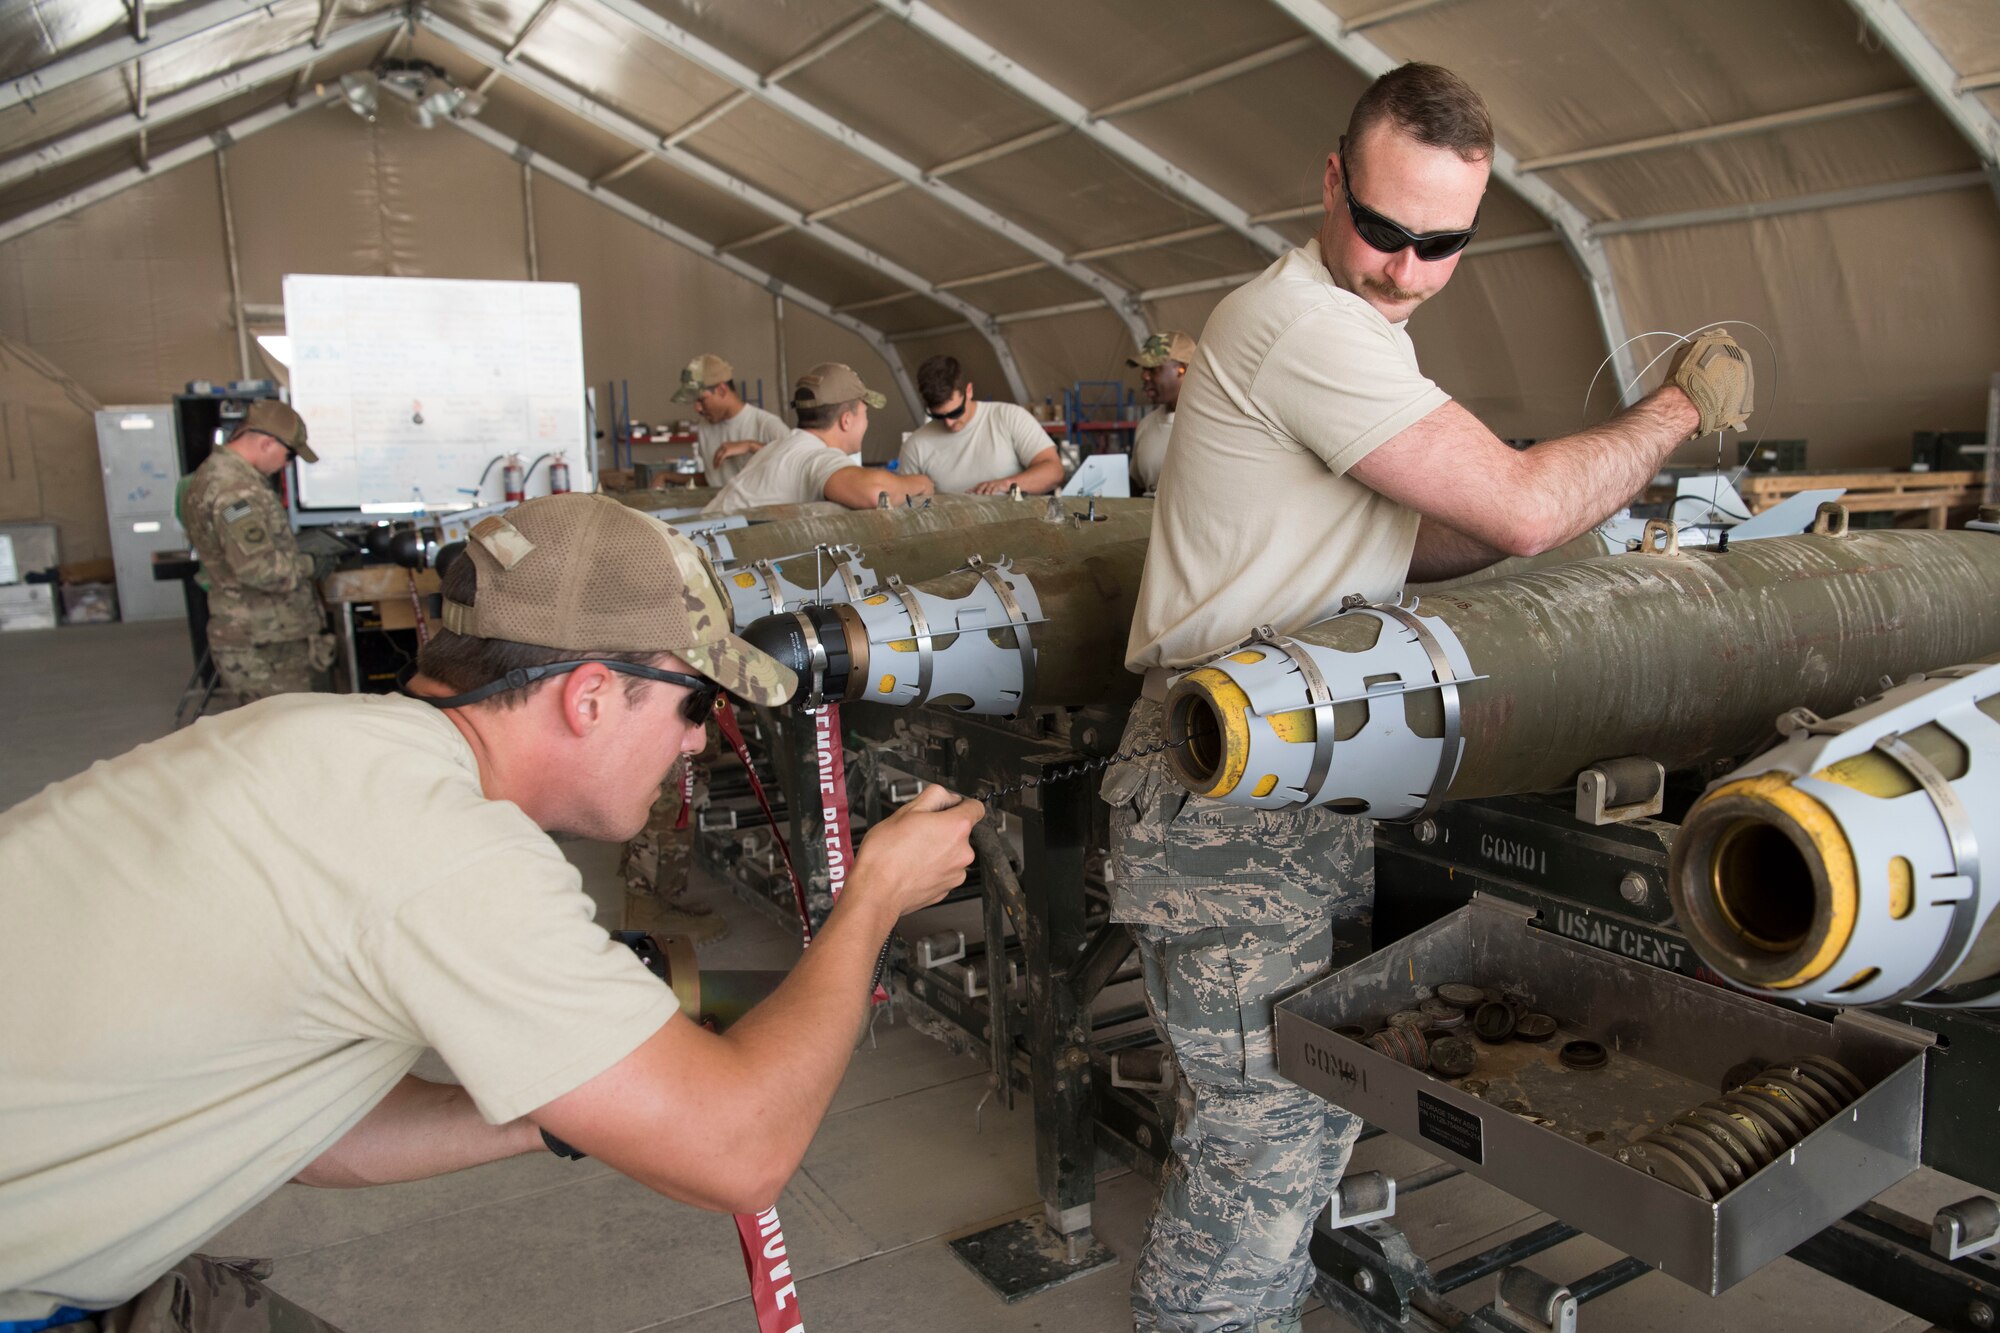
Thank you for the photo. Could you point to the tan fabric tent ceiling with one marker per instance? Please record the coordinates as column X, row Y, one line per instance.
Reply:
column 1028, row 185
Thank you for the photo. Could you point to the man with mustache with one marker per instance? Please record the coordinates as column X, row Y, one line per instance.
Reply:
column 1312, row 460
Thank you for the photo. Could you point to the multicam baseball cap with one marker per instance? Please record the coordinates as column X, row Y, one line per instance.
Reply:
column 1173, row 345
column 704, row 372
column 268, row 416
column 828, row 383
column 586, row 574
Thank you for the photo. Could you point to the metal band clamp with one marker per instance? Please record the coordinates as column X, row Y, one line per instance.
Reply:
column 1447, row 684
column 816, row 654
column 1964, row 855
column 1016, row 617
column 1320, row 697
column 921, row 631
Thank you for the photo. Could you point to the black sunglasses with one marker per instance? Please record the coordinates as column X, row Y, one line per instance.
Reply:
column 696, row 707
column 1389, row 236
column 952, row 415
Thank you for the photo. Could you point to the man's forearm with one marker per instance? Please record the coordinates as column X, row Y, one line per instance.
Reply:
column 1443, row 552
column 797, row 1042
column 1039, row 478
column 1585, row 478
column 420, row 1129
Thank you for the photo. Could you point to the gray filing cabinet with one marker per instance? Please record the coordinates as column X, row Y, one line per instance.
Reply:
column 141, row 471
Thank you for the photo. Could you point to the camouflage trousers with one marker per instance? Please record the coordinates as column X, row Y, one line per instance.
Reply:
column 1232, row 910
column 204, row 1295
column 655, row 863
column 258, row 671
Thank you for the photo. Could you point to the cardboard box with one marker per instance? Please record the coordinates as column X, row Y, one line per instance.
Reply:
column 89, row 603
column 90, row 571
column 27, row 606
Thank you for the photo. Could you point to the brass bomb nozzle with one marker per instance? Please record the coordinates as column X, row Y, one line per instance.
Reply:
column 1764, row 882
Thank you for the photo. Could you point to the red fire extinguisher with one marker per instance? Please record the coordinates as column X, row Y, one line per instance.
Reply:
column 559, row 475
column 512, row 479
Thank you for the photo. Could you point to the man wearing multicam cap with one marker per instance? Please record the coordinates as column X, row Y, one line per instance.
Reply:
column 291, row 902
column 731, row 430
column 974, row 447
column 265, row 626
column 818, row 461
column 1162, row 364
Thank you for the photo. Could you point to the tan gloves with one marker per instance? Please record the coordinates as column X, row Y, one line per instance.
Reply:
column 1715, row 374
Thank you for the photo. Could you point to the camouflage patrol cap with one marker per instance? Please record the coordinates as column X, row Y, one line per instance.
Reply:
column 1173, row 345
column 585, row 574
column 704, row 372
column 830, row 383
column 268, row 416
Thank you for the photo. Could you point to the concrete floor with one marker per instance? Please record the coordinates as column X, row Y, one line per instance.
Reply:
column 899, row 1167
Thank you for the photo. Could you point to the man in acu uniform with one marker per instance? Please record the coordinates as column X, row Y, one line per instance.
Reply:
column 264, row 620
column 1312, row 459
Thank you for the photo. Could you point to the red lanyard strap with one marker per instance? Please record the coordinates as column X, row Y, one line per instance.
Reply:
column 687, row 792
column 725, row 721
column 836, row 816
column 772, row 1289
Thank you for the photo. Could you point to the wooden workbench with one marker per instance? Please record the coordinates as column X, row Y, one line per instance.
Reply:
column 385, row 587
column 1933, row 495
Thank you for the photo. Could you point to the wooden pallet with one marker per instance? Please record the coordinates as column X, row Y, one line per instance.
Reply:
column 1930, row 495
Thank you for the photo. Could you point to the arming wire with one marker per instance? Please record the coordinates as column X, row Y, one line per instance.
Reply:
column 1770, row 346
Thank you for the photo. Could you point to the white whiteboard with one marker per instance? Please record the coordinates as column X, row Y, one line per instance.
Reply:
column 410, row 386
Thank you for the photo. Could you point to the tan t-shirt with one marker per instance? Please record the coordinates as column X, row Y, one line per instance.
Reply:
column 1001, row 440
column 1149, row 449
column 223, row 948
column 1257, row 522
column 793, row 471
column 752, row 423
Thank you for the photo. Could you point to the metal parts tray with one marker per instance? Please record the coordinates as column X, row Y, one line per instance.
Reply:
column 1671, row 1040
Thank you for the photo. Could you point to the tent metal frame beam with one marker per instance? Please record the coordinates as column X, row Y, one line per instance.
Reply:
column 1563, row 215
column 1390, row 13
column 1207, row 78
column 1777, row 120
column 1972, row 83
column 825, row 46
column 187, row 101
column 514, row 48
column 144, row 39
column 1038, row 91
column 1934, row 73
column 1804, row 203
column 106, row 186
column 650, row 142
column 1151, row 242
column 1499, row 245
column 327, row 9
column 772, row 233
column 685, row 44
column 1206, row 229
column 555, row 171
column 1022, row 142
column 805, row 59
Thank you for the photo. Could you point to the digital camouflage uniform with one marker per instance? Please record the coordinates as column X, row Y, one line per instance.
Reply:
column 1233, row 909
column 204, row 1295
column 264, row 626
